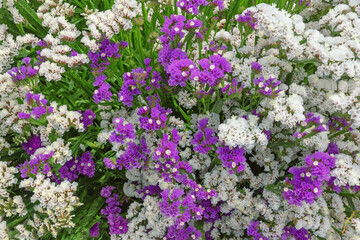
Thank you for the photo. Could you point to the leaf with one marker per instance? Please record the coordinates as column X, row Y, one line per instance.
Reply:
column 29, row 14
column 218, row 106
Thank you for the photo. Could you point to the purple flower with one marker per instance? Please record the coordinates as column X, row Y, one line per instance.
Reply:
column 109, row 164
column 123, row 132
column 248, row 18
column 94, row 230
column 253, row 230
column 233, row 159
column 172, row 28
column 256, row 66
column 267, row 87
column 87, row 117
column 33, row 144
column 204, row 138
column 102, row 93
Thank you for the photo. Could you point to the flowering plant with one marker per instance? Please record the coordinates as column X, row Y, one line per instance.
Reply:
column 188, row 119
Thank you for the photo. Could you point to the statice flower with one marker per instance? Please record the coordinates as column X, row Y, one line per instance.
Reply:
column 87, row 118
column 205, row 138
column 117, row 224
column 267, row 86
column 213, row 70
column 248, row 18
column 39, row 104
column 32, row 144
column 102, row 93
column 94, row 230
column 83, row 165
column 123, row 131
column 256, row 66
column 167, row 56
column 180, row 71
column 301, row 234
column 39, row 163
column 150, row 190
column 21, row 73
column 186, row 233
column 232, row 88
column 233, row 159
column 135, row 156
column 131, row 87
column 172, row 28
column 253, row 230
column 191, row 6
column 307, row 181
column 154, row 118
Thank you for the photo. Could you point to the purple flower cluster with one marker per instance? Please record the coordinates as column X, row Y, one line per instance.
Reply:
column 233, row 88
column 167, row 56
column 248, row 18
column 38, row 163
column 311, row 121
column 123, row 132
column 191, row 6
column 87, row 117
column 33, row 144
column 131, row 87
column 307, row 181
column 94, row 230
column 233, row 159
column 99, row 62
column 83, row 165
column 135, row 156
column 301, row 234
column 172, row 28
column 150, row 190
column 205, row 138
column 180, row 71
column 213, row 70
column 117, row 224
column 153, row 117
column 267, row 86
column 21, row 73
column 256, row 66
column 175, row 233
column 39, row 106
column 253, row 230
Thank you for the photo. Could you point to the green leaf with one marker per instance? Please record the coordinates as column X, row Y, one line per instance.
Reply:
column 30, row 15
column 218, row 106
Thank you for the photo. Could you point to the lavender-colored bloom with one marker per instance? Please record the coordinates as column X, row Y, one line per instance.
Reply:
column 172, row 28
column 24, row 71
column 253, row 230
column 33, row 144
column 36, row 164
column 256, row 66
column 233, row 159
column 205, row 138
column 135, row 156
column 99, row 80
column 86, row 165
column 94, row 230
column 87, row 117
column 102, row 93
column 267, row 87
column 106, row 191
column 248, row 18
column 123, row 132
column 68, row 171
column 23, row 115
column 109, row 164
column 301, row 234
column 38, row 112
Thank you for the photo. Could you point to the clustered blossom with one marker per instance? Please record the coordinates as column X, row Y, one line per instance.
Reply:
column 33, row 144
column 187, row 119
column 18, row 74
column 99, row 63
column 307, row 181
column 117, row 224
column 204, row 138
column 83, row 165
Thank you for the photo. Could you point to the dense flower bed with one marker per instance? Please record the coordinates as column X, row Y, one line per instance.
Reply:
column 187, row 119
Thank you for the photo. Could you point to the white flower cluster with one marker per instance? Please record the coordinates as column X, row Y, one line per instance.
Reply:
column 17, row 17
column 186, row 100
column 347, row 170
column 10, row 47
column 56, row 201
column 239, row 132
column 289, row 110
column 61, row 151
column 110, row 22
